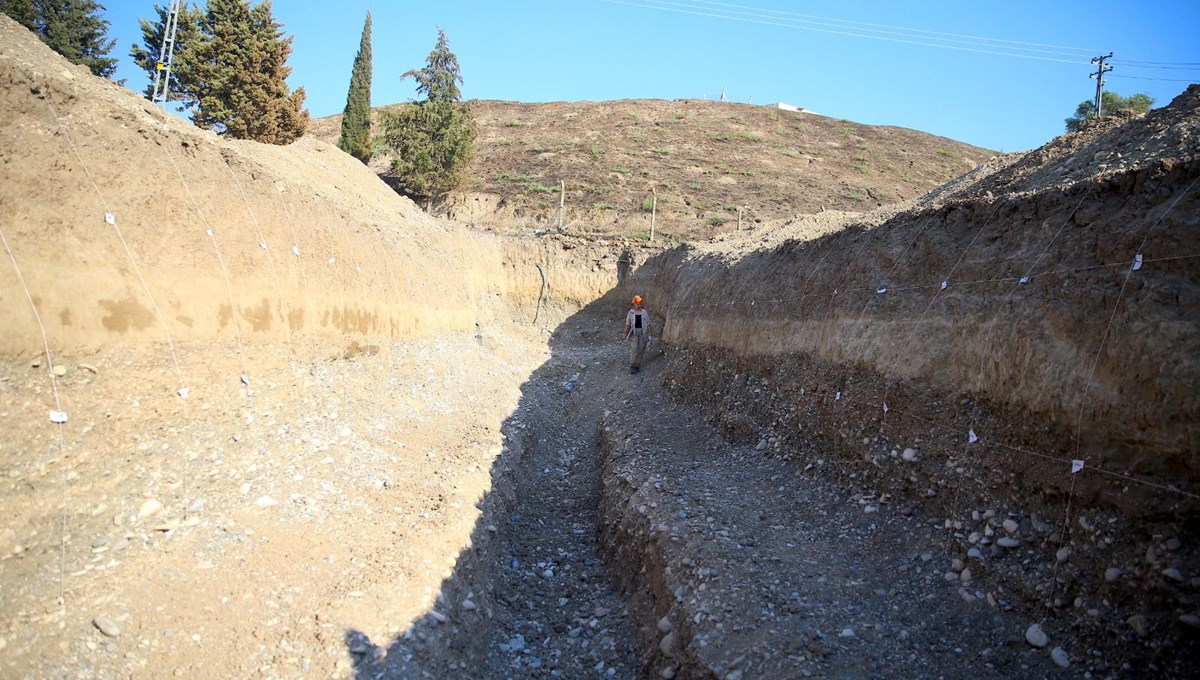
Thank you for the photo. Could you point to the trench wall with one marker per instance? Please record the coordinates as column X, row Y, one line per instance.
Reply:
column 1018, row 318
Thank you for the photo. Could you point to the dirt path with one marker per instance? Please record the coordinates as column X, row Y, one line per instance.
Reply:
column 557, row 614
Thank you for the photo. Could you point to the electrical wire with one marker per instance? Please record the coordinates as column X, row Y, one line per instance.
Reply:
column 850, row 31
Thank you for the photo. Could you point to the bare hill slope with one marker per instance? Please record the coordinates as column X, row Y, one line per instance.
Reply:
column 705, row 159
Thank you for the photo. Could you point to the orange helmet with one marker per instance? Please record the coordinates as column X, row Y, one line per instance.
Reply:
column 637, row 299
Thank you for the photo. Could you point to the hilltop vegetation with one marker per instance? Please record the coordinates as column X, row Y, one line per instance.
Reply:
column 706, row 160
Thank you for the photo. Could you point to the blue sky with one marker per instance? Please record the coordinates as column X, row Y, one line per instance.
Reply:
column 1002, row 75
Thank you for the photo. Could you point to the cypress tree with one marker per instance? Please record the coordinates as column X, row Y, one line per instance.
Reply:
column 240, row 73
column 432, row 137
column 356, row 118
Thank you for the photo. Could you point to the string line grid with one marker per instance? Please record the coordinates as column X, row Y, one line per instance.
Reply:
column 262, row 243
column 111, row 219
column 208, row 230
column 1135, row 264
column 59, row 418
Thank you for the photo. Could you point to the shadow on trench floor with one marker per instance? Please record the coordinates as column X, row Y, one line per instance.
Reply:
column 532, row 595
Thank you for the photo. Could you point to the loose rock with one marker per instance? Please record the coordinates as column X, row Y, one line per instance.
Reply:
column 1060, row 658
column 1036, row 636
column 107, row 625
column 149, row 508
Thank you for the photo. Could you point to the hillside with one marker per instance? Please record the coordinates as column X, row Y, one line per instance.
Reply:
column 263, row 417
column 705, row 159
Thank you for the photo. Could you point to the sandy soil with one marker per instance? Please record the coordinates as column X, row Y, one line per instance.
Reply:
column 415, row 450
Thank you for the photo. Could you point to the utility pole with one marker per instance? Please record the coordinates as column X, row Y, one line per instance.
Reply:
column 1101, row 69
column 162, row 69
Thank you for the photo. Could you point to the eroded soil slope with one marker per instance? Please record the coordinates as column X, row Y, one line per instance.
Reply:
column 705, row 160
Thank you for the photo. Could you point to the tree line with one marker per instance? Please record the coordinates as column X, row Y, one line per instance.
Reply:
column 229, row 74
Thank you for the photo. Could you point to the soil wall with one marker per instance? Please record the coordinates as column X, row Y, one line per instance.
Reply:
column 1026, row 301
column 128, row 226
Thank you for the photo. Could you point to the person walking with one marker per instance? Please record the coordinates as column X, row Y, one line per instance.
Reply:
column 637, row 332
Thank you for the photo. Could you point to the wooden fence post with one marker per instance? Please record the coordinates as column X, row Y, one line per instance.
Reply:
column 653, row 213
column 562, row 200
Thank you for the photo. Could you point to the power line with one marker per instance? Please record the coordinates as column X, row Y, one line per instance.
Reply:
column 973, row 38
column 1161, row 80
column 767, row 20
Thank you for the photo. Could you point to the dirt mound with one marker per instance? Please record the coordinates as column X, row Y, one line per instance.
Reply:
column 707, row 161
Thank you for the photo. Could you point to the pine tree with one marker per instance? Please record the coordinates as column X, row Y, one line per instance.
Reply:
column 240, row 75
column 73, row 28
column 189, row 35
column 356, row 119
column 21, row 11
column 432, row 137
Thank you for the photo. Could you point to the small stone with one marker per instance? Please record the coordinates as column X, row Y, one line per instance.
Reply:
column 1138, row 623
column 89, row 368
column 1036, row 636
column 1174, row 544
column 149, row 508
column 1173, row 574
column 1038, row 525
column 974, row 554
column 664, row 625
column 1011, row 526
column 667, row 644
column 734, row 675
column 60, row 370
column 266, row 502
column 469, row 605
column 1189, row 620
column 438, row 616
column 1112, row 574
column 1062, row 554
column 1060, row 658
column 107, row 625
column 847, row 633
column 668, row 673
column 908, row 456
column 762, row 444
column 1007, row 542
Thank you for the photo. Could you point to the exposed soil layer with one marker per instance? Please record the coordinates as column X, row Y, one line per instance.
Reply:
column 271, row 420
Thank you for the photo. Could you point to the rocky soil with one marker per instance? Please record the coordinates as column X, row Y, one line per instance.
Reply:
column 414, row 450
